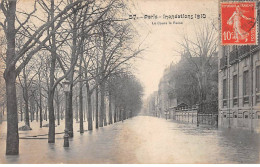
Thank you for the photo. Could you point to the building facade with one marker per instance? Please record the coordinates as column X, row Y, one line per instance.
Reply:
column 167, row 99
column 239, row 87
column 161, row 103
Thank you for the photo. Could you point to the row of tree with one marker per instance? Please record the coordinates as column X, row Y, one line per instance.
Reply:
column 84, row 42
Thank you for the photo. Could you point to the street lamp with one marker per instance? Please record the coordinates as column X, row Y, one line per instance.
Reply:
column 66, row 88
column 197, row 106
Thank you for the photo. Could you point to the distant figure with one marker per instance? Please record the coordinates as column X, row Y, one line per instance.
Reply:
column 235, row 19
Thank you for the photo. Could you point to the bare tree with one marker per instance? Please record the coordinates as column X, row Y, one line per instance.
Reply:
column 33, row 44
column 26, row 84
column 204, row 48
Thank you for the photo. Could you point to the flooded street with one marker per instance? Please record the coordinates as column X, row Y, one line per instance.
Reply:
column 142, row 139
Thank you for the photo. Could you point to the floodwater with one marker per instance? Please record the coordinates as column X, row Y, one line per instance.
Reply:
column 142, row 139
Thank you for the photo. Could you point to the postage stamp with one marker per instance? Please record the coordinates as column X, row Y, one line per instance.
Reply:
column 238, row 23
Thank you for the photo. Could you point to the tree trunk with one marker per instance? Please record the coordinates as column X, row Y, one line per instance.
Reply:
column 12, row 140
column 58, row 110
column 66, row 110
column 4, row 108
column 1, row 117
column 58, row 114
column 31, row 111
column 70, row 76
column 97, row 107
column 40, row 111
column 70, row 113
column 21, row 109
column 26, row 99
column 105, row 116
column 81, row 127
column 102, row 105
column 61, row 114
column 110, row 108
column 115, row 120
column 102, row 84
column 90, row 126
column 77, row 109
column 84, row 113
column 120, row 111
column 89, row 93
column 46, row 113
column 37, row 113
column 51, row 135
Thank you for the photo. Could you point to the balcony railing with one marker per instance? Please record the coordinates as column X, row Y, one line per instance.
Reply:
column 235, row 101
column 243, row 51
column 224, row 103
column 238, row 54
column 223, row 62
column 233, row 57
column 246, row 99
column 254, row 49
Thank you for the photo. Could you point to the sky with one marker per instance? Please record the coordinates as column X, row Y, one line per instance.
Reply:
column 161, row 42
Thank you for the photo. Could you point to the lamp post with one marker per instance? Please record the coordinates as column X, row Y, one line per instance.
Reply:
column 166, row 114
column 66, row 88
column 197, row 106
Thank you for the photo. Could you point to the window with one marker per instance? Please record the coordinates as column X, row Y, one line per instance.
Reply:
column 234, row 67
column 225, row 89
column 245, row 114
column 246, row 87
column 257, row 72
column 246, row 62
column 246, row 83
column 257, row 98
column 257, row 114
column 224, row 92
column 235, row 86
column 235, row 90
column 234, row 115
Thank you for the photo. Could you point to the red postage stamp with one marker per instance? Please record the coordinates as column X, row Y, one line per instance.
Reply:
column 238, row 23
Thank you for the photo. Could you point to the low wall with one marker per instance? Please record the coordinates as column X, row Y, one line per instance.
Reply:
column 193, row 117
column 243, row 119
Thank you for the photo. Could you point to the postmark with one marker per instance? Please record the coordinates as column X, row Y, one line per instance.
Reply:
column 238, row 23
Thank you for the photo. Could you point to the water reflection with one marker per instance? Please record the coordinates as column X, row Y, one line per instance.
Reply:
column 141, row 140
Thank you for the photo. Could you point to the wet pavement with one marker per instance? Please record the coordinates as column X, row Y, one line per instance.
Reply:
column 142, row 139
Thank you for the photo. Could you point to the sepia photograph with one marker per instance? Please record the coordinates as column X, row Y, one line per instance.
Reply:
column 129, row 82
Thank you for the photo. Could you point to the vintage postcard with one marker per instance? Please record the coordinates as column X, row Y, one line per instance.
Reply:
column 129, row 82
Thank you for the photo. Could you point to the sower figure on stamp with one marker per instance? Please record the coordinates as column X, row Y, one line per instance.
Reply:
column 235, row 19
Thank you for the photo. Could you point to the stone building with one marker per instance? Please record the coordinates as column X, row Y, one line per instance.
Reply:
column 153, row 104
column 162, row 103
column 239, row 87
column 167, row 99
